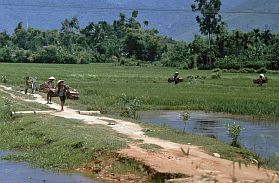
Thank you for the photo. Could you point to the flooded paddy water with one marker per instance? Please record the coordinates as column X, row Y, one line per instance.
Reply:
column 259, row 136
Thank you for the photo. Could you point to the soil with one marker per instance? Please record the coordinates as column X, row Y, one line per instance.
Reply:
column 169, row 161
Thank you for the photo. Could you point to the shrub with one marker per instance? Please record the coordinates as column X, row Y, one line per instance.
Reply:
column 130, row 106
column 247, row 70
column 234, row 132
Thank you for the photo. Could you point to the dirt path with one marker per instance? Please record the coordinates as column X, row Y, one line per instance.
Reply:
column 197, row 166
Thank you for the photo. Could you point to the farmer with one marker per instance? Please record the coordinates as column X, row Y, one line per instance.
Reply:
column 176, row 78
column 33, row 84
column 62, row 89
column 262, row 79
column 50, row 85
column 27, row 83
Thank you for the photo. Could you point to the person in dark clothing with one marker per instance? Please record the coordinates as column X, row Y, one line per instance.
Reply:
column 62, row 89
column 27, row 83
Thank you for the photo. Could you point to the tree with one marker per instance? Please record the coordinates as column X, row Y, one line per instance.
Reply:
column 210, row 21
column 69, row 31
column 19, row 37
column 4, row 38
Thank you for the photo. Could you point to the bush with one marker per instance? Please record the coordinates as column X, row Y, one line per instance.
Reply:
column 234, row 132
column 228, row 63
column 5, row 55
column 247, row 70
column 130, row 106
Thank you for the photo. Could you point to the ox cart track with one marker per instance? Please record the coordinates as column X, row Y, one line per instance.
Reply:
column 198, row 166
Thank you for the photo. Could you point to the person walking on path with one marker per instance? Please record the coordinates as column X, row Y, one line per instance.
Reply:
column 27, row 83
column 62, row 89
column 50, row 87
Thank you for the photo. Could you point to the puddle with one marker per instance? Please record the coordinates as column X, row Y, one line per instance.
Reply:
column 19, row 172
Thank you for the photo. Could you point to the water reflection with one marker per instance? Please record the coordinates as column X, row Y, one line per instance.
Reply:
column 17, row 172
column 259, row 136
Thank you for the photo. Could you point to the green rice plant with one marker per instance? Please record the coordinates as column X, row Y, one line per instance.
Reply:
column 101, row 86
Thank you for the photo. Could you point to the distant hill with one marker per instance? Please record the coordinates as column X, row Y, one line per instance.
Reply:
column 181, row 25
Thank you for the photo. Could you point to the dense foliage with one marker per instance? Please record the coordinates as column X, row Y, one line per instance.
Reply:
column 126, row 41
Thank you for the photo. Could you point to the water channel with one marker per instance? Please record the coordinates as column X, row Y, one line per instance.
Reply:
column 259, row 136
column 18, row 172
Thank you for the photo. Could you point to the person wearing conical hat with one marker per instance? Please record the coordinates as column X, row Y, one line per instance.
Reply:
column 62, row 89
column 51, row 86
column 262, row 79
column 175, row 77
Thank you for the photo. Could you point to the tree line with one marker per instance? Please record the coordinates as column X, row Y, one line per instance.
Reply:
column 127, row 41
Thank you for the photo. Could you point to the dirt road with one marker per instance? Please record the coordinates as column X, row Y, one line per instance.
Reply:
column 198, row 166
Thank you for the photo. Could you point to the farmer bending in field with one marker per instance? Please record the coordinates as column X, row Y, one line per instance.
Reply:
column 262, row 79
column 62, row 89
column 50, row 85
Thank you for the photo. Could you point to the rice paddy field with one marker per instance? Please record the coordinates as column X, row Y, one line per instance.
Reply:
column 102, row 85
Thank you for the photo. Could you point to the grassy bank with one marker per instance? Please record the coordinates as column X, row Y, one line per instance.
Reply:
column 101, row 86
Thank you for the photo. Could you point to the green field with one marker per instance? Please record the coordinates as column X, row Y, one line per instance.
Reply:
column 40, row 139
column 101, row 86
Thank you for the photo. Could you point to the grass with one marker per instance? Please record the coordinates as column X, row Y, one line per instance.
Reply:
column 210, row 145
column 150, row 147
column 57, row 143
column 101, row 86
